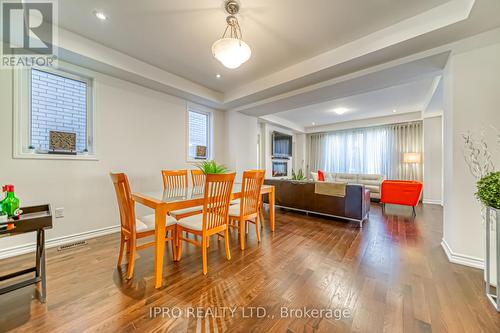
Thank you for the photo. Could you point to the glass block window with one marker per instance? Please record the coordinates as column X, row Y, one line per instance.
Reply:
column 199, row 135
column 58, row 103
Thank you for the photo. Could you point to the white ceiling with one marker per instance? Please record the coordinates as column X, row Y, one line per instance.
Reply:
column 177, row 35
column 405, row 98
column 307, row 54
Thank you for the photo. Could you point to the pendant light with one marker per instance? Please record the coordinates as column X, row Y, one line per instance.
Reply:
column 230, row 49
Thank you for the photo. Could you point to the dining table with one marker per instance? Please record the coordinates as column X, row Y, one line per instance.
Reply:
column 163, row 202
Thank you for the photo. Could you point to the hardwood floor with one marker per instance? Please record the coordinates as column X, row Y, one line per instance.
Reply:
column 391, row 276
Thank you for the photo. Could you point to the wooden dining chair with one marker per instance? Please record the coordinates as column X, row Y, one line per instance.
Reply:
column 249, row 208
column 197, row 177
column 133, row 228
column 174, row 178
column 213, row 221
column 177, row 181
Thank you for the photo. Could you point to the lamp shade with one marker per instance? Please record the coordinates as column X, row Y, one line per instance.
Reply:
column 231, row 52
column 412, row 157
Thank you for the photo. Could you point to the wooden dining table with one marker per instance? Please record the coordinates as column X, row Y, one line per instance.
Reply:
column 166, row 201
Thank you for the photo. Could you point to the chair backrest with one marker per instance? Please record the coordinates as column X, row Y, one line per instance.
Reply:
column 174, row 179
column 125, row 202
column 250, row 192
column 218, row 189
column 198, row 177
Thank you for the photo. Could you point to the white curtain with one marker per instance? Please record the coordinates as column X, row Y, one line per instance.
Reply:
column 373, row 150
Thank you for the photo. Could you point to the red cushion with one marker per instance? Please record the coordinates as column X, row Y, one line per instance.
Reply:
column 321, row 176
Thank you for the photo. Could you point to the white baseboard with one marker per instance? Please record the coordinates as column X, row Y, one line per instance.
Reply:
column 461, row 259
column 30, row 247
column 432, row 202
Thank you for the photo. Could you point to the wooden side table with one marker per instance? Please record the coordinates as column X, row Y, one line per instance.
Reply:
column 33, row 219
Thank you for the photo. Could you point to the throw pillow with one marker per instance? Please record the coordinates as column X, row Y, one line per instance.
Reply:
column 321, row 176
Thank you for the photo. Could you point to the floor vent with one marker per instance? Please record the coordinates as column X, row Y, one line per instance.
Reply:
column 71, row 245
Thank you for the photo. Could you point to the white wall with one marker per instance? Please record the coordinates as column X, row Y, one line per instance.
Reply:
column 242, row 133
column 300, row 154
column 266, row 132
column 472, row 102
column 433, row 160
column 139, row 131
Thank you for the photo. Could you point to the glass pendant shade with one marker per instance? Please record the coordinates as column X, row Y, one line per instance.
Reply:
column 231, row 52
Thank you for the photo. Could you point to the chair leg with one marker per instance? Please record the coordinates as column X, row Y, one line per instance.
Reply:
column 246, row 227
column 179, row 246
column 261, row 217
column 204, row 246
column 257, row 231
column 120, row 256
column 208, row 242
column 226, row 241
column 173, row 234
column 131, row 258
column 241, row 226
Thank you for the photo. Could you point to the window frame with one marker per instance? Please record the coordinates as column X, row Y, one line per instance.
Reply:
column 191, row 107
column 22, row 113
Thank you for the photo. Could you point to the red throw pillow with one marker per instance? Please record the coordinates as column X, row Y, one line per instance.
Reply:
column 321, row 176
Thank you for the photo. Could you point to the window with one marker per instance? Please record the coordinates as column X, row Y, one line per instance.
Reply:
column 58, row 103
column 199, row 133
column 371, row 150
column 50, row 100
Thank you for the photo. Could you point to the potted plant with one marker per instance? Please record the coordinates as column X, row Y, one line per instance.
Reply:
column 480, row 162
column 211, row 167
column 488, row 190
column 299, row 176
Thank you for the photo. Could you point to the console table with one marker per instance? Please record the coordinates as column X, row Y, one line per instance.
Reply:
column 33, row 219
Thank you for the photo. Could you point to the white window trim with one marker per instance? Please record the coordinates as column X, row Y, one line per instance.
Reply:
column 22, row 113
column 203, row 110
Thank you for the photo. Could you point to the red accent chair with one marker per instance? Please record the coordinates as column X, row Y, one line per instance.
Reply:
column 401, row 192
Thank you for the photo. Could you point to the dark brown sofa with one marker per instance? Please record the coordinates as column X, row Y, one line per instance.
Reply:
column 355, row 206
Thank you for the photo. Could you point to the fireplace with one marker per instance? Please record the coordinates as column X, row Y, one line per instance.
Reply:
column 280, row 168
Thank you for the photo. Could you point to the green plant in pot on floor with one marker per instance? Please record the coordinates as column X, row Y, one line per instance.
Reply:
column 488, row 190
column 211, row 167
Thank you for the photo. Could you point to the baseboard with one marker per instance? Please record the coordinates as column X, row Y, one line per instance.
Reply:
column 432, row 202
column 461, row 259
column 30, row 247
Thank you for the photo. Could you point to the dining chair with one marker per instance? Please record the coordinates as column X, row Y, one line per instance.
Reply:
column 174, row 178
column 177, row 181
column 249, row 208
column 133, row 228
column 213, row 221
column 197, row 177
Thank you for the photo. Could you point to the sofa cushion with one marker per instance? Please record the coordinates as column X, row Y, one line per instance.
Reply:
column 321, row 176
column 314, row 176
column 330, row 177
column 373, row 188
column 346, row 177
column 370, row 177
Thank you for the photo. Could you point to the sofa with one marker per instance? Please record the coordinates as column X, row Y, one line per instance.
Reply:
column 372, row 182
column 301, row 196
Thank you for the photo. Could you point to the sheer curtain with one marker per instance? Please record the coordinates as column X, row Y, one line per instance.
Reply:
column 375, row 150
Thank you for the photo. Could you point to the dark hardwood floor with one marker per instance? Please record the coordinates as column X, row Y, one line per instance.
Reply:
column 390, row 276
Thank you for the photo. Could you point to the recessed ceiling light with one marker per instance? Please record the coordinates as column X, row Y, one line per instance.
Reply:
column 340, row 111
column 100, row 15
column 394, row 111
column 217, row 76
column 313, row 123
